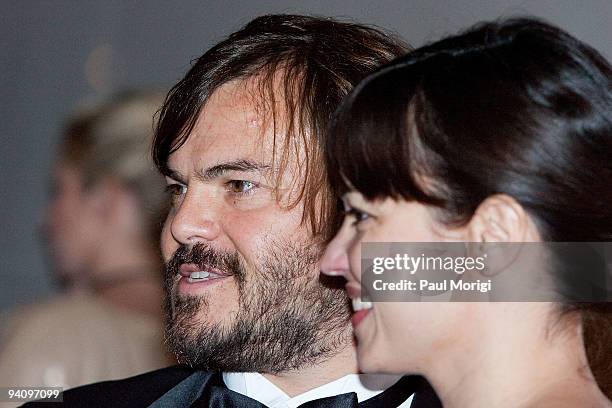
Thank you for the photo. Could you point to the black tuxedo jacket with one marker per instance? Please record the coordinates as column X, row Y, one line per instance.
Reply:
column 144, row 389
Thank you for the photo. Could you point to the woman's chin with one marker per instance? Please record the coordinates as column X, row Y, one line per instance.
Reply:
column 378, row 358
column 372, row 364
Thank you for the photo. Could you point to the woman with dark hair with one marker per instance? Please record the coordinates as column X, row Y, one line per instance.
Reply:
column 500, row 134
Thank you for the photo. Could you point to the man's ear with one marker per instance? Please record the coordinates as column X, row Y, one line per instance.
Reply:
column 500, row 218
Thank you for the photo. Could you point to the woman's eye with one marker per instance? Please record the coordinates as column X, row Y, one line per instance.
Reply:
column 357, row 215
column 241, row 186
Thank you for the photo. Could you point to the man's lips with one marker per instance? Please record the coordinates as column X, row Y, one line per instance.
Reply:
column 193, row 277
column 186, row 269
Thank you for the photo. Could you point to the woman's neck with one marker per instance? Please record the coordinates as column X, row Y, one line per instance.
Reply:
column 517, row 358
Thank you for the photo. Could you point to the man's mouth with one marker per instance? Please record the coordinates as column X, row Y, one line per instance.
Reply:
column 201, row 273
column 201, row 276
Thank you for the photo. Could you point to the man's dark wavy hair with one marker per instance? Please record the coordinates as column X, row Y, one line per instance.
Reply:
column 316, row 60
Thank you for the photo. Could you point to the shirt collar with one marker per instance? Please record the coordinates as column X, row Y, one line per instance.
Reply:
column 258, row 387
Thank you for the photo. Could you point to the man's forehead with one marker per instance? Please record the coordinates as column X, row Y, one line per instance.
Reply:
column 232, row 123
column 247, row 101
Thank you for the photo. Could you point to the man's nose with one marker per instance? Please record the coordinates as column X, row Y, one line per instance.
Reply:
column 196, row 219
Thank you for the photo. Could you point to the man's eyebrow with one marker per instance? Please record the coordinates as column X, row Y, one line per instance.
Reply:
column 236, row 165
column 175, row 175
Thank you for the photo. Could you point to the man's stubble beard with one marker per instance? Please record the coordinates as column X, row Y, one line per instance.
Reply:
column 289, row 316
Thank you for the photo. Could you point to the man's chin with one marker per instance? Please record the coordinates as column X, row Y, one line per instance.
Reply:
column 248, row 346
column 203, row 345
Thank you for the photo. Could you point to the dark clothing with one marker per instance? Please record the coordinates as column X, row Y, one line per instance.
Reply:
column 183, row 386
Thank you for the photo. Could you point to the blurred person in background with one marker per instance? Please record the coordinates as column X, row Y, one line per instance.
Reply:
column 102, row 228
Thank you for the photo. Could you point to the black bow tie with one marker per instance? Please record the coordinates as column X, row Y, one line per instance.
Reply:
column 217, row 395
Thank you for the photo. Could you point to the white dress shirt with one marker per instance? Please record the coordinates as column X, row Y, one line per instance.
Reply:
column 259, row 388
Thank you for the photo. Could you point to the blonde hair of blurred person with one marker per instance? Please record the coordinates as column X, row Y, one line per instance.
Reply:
column 102, row 227
column 102, row 224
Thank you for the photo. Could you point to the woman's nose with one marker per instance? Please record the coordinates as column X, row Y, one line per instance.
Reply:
column 335, row 258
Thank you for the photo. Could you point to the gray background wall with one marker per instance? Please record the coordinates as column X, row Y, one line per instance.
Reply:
column 58, row 53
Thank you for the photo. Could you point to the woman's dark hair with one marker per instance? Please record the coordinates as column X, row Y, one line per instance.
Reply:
column 516, row 107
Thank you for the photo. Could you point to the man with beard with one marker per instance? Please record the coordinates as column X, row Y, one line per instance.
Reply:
column 239, row 140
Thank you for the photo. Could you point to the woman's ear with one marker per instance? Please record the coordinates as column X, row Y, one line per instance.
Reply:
column 500, row 218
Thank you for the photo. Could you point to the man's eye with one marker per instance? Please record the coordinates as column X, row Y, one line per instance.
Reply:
column 241, row 186
column 176, row 189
